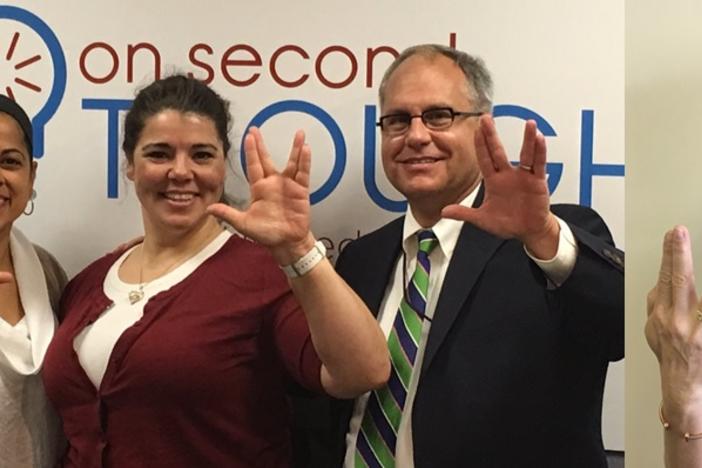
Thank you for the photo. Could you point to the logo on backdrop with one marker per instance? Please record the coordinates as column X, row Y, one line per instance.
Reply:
column 244, row 57
column 20, row 58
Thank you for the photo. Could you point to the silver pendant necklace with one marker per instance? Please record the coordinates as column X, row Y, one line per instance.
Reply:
column 135, row 295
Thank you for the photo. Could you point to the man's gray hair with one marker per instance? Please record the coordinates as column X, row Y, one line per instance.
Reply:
column 478, row 80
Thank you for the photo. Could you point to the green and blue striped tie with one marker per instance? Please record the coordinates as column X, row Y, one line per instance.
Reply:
column 375, row 446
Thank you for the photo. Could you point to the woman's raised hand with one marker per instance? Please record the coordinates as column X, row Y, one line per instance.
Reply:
column 278, row 215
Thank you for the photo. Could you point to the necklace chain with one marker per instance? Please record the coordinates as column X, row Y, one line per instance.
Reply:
column 137, row 294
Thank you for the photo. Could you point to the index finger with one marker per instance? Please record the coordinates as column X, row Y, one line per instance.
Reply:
column 684, row 295
column 254, row 170
column 494, row 146
column 482, row 154
column 264, row 157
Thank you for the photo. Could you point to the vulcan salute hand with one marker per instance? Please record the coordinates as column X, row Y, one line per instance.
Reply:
column 278, row 216
column 674, row 332
column 516, row 203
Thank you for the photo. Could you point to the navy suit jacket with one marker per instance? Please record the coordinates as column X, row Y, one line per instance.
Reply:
column 513, row 372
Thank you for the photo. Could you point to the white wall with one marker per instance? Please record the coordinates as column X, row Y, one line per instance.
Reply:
column 563, row 60
column 664, row 164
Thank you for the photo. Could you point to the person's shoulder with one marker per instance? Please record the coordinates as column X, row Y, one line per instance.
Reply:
column 250, row 260
column 54, row 274
column 48, row 261
column 372, row 245
column 242, row 249
column 86, row 282
column 96, row 270
column 582, row 217
column 590, row 230
column 390, row 232
column 572, row 210
column 241, row 262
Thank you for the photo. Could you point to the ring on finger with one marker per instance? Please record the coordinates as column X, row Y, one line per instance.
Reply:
column 698, row 314
column 526, row 167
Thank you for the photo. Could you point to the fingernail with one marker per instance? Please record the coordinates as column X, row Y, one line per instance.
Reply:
column 679, row 232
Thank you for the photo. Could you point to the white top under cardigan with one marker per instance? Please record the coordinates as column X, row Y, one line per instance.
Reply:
column 29, row 433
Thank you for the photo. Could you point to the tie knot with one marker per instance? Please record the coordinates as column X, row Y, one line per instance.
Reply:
column 427, row 241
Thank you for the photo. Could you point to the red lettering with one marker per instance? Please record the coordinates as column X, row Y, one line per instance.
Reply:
column 320, row 59
column 452, row 40
column 274, row 71
column 131, row 52
column 84, row 56
column 254, row 61
column 198, row 63
column 370, row 57
column 241, row 65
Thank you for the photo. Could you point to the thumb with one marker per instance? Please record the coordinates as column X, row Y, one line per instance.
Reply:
column 5, row 277
column 460, row 213
column 228, row 214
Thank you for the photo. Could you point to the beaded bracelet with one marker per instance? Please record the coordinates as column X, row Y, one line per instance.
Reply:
column 666, row 425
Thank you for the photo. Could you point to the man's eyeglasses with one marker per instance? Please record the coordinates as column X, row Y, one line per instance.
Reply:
column 434, row 119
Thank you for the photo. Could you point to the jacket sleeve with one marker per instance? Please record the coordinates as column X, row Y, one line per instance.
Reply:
column 593, row 294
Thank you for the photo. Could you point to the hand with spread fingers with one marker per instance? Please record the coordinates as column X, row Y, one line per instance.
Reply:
column 278, row 216
column 674, row 333
column 516, row 203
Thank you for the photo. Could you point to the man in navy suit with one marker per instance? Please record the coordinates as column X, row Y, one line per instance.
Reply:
column 521, row 303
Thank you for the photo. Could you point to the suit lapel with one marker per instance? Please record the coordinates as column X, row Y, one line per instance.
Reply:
column 379, row 262
column 473, row 251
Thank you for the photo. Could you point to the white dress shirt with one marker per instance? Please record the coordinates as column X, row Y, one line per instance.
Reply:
column 447, row 232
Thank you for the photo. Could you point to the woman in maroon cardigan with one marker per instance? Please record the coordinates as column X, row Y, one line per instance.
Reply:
column 177, row 352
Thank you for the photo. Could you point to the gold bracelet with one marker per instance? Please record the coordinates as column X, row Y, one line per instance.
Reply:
column 666, row 425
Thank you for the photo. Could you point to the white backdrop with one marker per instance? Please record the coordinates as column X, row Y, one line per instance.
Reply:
column 75, row 64
column 664, row 104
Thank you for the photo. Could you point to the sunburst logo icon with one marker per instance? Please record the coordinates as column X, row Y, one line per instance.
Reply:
column 19, row 64
column 32, row 67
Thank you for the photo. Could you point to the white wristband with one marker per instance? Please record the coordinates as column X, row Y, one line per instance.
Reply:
column 308, row 261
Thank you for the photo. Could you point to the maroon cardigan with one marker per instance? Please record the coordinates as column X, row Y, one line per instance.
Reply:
column 199, row 381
